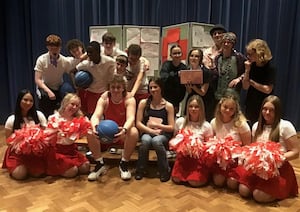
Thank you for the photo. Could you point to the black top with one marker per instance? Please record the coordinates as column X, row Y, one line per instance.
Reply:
column 174, row 92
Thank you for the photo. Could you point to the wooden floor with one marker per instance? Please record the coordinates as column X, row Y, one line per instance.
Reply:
column 110, row 193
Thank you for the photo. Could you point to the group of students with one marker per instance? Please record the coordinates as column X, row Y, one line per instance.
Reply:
column 145, row 111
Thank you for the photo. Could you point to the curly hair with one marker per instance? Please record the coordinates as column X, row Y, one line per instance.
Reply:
column 261, row 48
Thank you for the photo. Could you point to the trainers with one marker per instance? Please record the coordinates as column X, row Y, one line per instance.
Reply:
column 125, row 173
column 99, row 170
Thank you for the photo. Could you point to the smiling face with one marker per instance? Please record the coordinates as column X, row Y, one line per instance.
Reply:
column 154, row 89
column 194, row 110
column 176, row 54
column 76, row 52
column 227, row 110
column 72, row 106
column 268, row 113
column 194, row 59
column 26, row 103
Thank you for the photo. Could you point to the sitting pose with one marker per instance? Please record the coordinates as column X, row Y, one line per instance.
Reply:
column 186, row 168
column 119, row 106
column 155, row 121
column 66, row 160
column 20, row 165
column 229, row 121
column 270, row 127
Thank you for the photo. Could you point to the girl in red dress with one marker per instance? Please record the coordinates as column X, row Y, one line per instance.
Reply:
column 270, row 127
column 66, row 160
column 186, row 168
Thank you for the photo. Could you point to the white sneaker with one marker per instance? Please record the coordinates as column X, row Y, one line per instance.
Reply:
column 125, row 173
column 99, row 170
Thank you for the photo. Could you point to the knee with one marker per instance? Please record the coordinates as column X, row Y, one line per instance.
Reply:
column 262, row 197
column 244, row 190
column 194, row 183
column 71, row 172
column 219, row 180
column 19, row 173
column 84, row 168
column 232, row 183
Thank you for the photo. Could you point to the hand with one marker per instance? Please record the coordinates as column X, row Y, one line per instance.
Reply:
column 156, row 131
column 120, row 135
column 247, row 64
column 51, row 95
column 234, row 82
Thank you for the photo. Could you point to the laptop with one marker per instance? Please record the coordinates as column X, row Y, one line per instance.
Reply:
column 191, row 77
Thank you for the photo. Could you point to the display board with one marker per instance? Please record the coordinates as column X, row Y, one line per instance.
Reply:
column 96, row 33
column 148, row 37
column 187, row 35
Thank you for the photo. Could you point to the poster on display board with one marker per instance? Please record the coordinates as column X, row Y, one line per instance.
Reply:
column 148, row 37
column 96, row 33
column 187, row 35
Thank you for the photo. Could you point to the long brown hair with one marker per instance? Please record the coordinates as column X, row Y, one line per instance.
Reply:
column 274, row 134
column 201, row 107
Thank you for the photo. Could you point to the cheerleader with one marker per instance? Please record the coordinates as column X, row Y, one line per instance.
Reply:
column 189, row 168
column 20, row 165
column 229, row 121
column 66, row 160
column 270, row 127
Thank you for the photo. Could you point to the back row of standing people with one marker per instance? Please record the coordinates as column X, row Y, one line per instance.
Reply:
column 223, row 67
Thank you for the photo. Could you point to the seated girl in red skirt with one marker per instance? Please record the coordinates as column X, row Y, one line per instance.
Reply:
column 66, row 160
column 270, row 127
column 188, row 168
column 229, row 121
column 21, row 165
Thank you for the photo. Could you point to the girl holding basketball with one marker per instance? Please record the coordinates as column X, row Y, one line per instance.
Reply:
column 155, row 121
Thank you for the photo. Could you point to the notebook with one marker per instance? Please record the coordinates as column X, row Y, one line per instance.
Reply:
column 191, row 76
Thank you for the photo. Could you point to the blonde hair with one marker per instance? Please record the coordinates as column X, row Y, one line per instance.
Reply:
column 119, row 79
column 261, row 48
column 201, row 110
column 66, row 100
column 238, row 116
column 53, row 40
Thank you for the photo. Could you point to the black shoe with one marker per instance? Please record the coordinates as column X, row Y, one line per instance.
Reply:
column 139, row 174
column 124, row 172
column 165, row 176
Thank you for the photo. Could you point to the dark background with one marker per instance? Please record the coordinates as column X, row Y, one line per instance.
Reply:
column 24, row 25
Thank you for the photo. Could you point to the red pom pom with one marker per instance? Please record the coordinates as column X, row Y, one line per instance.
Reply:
column 188, row 144
column 262, row 158
column 30, row 140
column 70, row 129
column 221, row 151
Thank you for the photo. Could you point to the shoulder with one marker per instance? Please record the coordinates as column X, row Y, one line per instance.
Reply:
column 254, row 127
column 105, row 59
column 180, row 121
column 10, row 121
column 213, row 122
column 285, row 124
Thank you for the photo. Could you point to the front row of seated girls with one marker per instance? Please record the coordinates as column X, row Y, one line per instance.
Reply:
column 193, row 133
column 51, row 150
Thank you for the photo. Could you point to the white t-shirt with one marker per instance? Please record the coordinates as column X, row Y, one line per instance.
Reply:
column 203, row 132
column 52, row 75
column 134, row 71
column 286, row 130
column 11, row 119
column 116, row 52
column 102, row 73
column 228, row 129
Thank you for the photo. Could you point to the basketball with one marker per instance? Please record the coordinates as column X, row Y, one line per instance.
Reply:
column 106, row 130
column 83, row 79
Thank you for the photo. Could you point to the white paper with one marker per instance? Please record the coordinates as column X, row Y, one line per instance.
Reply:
column 133, row 36
column 96, row 34
column 150, row 35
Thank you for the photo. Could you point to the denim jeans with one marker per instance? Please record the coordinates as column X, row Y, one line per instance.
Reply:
column 158, row 143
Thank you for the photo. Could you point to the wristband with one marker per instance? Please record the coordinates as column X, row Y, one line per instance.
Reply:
column 125, row 130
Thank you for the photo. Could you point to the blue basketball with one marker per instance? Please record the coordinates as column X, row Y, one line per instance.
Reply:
column 83, row 79
column 106, row 130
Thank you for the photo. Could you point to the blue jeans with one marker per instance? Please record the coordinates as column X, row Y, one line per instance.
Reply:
column 159, row 144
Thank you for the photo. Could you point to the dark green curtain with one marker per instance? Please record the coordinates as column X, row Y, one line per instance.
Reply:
column 25, row 24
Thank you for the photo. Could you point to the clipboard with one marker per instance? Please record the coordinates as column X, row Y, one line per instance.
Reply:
column 191, row 77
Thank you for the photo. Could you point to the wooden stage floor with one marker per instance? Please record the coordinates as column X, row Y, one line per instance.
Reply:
column 110, row 193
